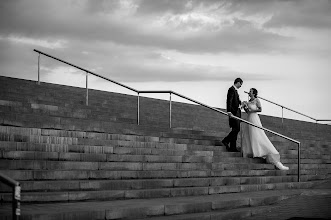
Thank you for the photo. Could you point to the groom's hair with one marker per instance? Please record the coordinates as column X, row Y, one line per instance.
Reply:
column 254, row 92
column 238, row 80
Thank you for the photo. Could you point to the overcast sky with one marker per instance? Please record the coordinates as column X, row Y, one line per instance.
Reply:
column 193, row 47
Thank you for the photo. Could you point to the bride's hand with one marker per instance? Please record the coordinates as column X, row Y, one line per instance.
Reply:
column 244, row 105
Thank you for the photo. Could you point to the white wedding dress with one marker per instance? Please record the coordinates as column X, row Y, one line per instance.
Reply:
column 255, row 141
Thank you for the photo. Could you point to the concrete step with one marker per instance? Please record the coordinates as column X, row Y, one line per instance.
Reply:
column 65, row 95
column 23, row 170
column 170, row 133
column 158, row 158
column 32, row 170
column 316, row 153
column 241, row 212
column 51, row 119
column 306, row 160
column 118, row 150
column 63, row 123
column 173, row 136
column 55, row 109
column 193, row 207
column 180, row 144
column 184, row 188
column 85, row 174
column 90, row 170
column 132, row 184
column 175, row 133
column 123, row 140
column 49, row 144
column 72, row 161
column 86, row 157
column 310, row 166
column 136, row 166
column 311, row 133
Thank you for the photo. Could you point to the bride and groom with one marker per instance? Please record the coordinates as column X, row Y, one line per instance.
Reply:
column 255, row 142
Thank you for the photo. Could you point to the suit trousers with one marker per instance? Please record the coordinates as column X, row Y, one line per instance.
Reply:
column 232, row 136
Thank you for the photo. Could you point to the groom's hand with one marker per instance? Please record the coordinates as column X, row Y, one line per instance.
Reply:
column 230, row 114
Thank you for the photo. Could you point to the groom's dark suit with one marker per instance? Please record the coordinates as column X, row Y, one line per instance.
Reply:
column 232, row 105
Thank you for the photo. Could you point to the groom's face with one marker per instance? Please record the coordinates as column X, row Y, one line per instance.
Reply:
column 238, row 85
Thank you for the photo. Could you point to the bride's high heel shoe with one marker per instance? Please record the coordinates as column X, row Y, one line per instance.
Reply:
column 280, row 166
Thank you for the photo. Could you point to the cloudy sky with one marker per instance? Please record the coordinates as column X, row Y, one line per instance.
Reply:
column 193, row 47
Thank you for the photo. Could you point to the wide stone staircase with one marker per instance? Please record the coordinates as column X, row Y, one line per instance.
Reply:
column 94, row 162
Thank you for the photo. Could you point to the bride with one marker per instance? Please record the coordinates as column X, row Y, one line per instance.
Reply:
column 255, row 141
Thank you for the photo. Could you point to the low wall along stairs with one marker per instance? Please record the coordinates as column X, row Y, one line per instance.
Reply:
column 94, row 162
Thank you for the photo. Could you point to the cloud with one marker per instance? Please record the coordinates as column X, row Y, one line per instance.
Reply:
column 301, row 14
column 128, row 40
column 35, row 42
column 17, row 60
column 64, row 75
column 202, row 27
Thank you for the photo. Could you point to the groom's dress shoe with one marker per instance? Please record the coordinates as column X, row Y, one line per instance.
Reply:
column 226, row 145
column 234, row 150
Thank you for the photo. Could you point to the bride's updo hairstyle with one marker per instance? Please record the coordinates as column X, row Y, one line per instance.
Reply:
column 254, row 92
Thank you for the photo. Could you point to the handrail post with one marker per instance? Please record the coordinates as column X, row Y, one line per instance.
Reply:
column 16, row 206
column 138, row 121
column 38, row 68
column 87, row 88
column 316, row 125
column 16, row 194
column 282, row 116
column 299, row 161
column 241, row 140
column 170, row 110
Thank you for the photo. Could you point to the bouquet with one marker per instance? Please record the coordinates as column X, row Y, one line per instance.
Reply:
column 244, row 105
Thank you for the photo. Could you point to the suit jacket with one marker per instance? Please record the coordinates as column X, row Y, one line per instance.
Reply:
column 233, row 102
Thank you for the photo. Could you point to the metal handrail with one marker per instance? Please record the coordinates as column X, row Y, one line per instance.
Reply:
column 283, row 107
column 85, row 70
column 16, row 207
column 179, row 95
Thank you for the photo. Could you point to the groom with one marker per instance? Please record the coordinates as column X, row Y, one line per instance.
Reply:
column 233, row 108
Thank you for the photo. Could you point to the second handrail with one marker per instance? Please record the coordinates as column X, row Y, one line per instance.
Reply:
column 284, row 107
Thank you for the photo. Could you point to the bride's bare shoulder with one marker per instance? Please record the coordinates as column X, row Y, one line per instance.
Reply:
column 258, row 103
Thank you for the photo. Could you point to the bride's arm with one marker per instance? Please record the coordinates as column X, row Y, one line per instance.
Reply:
column 244, row 105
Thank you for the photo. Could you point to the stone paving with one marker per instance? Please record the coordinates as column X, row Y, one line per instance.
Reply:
column 312, row 204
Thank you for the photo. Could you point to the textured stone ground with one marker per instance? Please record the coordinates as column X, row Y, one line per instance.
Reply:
column 313, row 204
